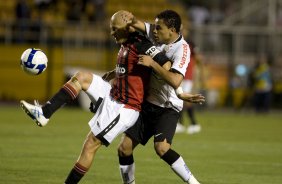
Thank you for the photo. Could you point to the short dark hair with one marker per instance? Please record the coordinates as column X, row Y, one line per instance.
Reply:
column 171, row 19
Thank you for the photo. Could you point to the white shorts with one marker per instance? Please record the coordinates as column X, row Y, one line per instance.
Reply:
column 111, row 118
column 187, row 86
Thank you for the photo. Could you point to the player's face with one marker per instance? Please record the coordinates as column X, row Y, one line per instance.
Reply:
column 120, row 35
column 162, row 33
column 118, row 29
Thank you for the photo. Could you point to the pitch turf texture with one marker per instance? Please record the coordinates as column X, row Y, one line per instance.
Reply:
column 233, row 148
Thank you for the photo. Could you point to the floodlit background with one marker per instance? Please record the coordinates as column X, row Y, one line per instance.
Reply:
column 237, row 144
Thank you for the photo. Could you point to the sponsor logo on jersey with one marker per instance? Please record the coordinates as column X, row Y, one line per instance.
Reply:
column 152, row 51
column 121, row 69
column 184, row 56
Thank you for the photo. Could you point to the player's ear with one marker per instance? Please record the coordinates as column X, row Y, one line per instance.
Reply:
column 172, row 29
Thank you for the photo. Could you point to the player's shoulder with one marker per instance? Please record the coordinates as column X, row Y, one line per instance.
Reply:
column 181, row 41
column 139, row 42
column 138, row 36
column 180, row 44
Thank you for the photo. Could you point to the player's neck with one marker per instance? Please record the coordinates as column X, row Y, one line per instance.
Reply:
column 174, row 38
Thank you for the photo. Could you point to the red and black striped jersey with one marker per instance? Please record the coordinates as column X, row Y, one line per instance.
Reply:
column 131, row 80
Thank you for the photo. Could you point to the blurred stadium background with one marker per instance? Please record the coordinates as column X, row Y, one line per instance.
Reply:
column 231, row 36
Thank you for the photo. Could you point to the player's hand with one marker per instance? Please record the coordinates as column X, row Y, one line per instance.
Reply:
column 128, row 20
column 192, row 98
column 145, row 60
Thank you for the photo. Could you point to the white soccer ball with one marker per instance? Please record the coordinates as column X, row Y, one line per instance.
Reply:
column 34, row 61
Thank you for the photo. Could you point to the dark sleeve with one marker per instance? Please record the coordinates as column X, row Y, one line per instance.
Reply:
column 147, row 47
column 149, row 33
column 176, row 71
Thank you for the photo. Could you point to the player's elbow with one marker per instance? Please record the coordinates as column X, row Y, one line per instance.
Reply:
column 176, row 83
column 177, row 80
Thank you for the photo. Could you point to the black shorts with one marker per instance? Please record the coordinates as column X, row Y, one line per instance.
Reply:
column 154, row 121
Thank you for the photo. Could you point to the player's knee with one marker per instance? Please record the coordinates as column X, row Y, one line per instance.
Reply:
column 124, row 150
column 161, row 148
column 83, row 79
column 126, row 146
column 91, row 144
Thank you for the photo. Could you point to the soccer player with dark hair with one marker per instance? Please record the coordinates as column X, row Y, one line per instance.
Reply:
column 161, row 108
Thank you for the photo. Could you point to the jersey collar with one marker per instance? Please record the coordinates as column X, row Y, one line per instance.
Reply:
column 177, row 40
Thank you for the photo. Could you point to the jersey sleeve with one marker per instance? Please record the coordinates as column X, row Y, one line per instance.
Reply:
column 147, row 47
column 181, row 59
column 149, row 28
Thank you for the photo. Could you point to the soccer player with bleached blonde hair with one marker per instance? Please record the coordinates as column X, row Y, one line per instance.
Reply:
column 120, row 103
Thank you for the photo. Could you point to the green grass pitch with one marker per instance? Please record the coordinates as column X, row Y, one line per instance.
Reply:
column 233, row 148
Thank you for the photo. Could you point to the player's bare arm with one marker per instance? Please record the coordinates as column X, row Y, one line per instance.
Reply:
column 138, row 24
column 135, row 23
column 173, row 79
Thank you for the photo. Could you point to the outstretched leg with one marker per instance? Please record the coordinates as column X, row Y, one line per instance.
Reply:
column 70, row 90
